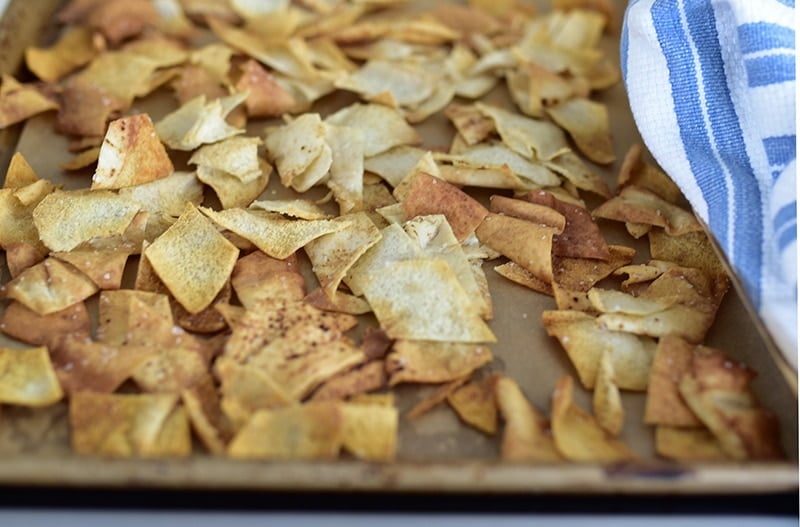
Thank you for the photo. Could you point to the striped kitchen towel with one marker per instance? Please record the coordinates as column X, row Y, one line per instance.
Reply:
column 712, row 87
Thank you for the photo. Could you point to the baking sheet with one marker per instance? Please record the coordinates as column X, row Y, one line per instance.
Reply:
column 436, row 452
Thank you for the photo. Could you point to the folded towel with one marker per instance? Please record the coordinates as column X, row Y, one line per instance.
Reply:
column 712, row 87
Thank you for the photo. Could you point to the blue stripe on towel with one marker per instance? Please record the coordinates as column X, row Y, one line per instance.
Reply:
column 764, row 36
column 780, row 149
column 786, row 214
column 729, row 140
column 772, row 69
column 788, row 236
column 685, row 97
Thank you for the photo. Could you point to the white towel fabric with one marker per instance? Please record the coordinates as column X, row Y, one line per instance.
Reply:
column 712, row 87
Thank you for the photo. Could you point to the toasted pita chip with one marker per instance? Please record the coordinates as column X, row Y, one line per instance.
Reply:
column 199, row 122
column 475, row 404
column 20, row 173
column 638, row 205
column 530, row 138
column 21, row 256
column 121, row 19
column 50, row 286
column 636, row 171
column 166, row 196
column 27, row 378
column 230, row 190
column 266, row 98
column 192, row 81
column 585, row 341
column 301, row 155
column 606, row 400
column 258, row 278
column 577, row 435
column 718, row 392
column 435, row 311
column 370, row 431
column 104, row 268
column 274, row 235
column 406, row 84
column 692, row 249
column 587, row 122
column 473, row 125
column 332, row 255
column 19, row 101
column 518, row 274
column 245, row 391
column 25, row 325
column 86, row 365
column 665, row 405
column 122, row 425
column 17, row 206
column 526, row 436
column 131, row 154
column 525, row 210
column 193, row 260
column 201, row 402
column 435, row 398
column 395, row 164
column 688, row 444
column 581, row 274
column 499, row 158
column 383, row 127
column 72, row 50
column 525, row 243
column 363, row 379
column 237, row 156
column 172, row 20
column 302, row 209
column 82, row 160
column 581, row 237
column 67, row 219
column 310, row 431
column 434, row 362
column 347, row 166
column 134, row 317
column 170, row 370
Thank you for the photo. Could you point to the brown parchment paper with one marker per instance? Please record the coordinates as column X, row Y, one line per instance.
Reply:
column 436, row 452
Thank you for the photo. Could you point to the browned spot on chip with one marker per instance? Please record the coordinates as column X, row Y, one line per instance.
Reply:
column 26, row 325
column 665, row 405
column 201, row 401
column 525, row 243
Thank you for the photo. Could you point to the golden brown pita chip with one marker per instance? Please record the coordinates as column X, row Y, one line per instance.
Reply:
column 20, row 173
column 585, row 341
column 104, row 268
column 258, row 278
column 86, row 365
column 526, row 436
column 245, row 390
column 581, row 237
column 124, row 425
column 362, row 379
column 230, row 190
column 530, row 138
column 16, row 228
column 473, row 126
column 606, row 400
column 637, row 171
column 27, row 378
column 370, row 431
column 638, row 205
column 587, row 122
column 718, row 392
column 332, row 255
column 430, row 195
column 170, row 370
column 237, row 156
column 72, row 50
column 201, row 402
column 383, row 127
column 340, row 303
column 526, row 210
column 26, row 325
column 275, row 235
column 82, row 160
column 688, row 444
column 581, row 274
column 577, row 434
column 199, row 122
column 423, row 300
column 521, row 276
column 193, row 260
column 67, row 219
column 310, row 431
column 121, row 19
column 665, row 405
column 693, row 249
column 525, row 243
column 434, row 362
column 266, row 98
column 19, row 101
column 131, row 154
column 475, row 404
column 192, row 80
column 50, row 286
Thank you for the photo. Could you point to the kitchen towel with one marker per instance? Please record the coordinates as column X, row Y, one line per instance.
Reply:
column 712, row 87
